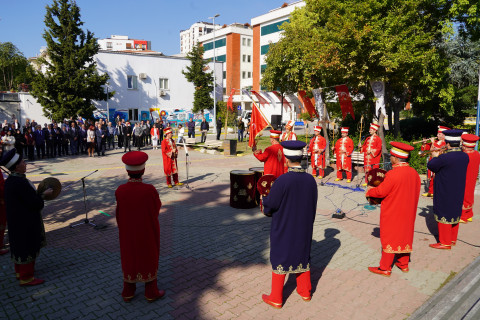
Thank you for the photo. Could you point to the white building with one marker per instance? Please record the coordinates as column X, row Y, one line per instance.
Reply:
column 265, row 32
column 142, row 81
column 122, row 43
column 189, row 38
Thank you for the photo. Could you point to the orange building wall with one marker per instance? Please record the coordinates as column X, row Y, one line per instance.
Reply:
column 256, row 58
column 233, row 62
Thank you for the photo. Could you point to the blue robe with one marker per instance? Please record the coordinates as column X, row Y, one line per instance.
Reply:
column 449, row 185
column 293, row 203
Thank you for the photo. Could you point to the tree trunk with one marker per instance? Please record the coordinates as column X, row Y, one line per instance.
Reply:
column 381, row 134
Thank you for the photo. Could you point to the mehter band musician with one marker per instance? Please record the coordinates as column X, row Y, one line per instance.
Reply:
column 468, row 145
column 435, row 147
column 275, row 162
column 138, row 206
column 450, row 171
column 170, row 154
column 343, row 153
column 317, row 149
column 400, row 190
column 24, row 217
column 292, row 203
column 372, row 150
column 289, row 134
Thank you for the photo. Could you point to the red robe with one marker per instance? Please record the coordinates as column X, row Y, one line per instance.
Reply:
column 372, row 144
column 344, row 160
column 169, row 153
column 317, row 144
column 274, row 159
column 138, row 205
column 400, row 190
column 472, row 175
column 288, row 136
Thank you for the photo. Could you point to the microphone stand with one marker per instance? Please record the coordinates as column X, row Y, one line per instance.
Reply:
column 86, row 220
column 186, row 165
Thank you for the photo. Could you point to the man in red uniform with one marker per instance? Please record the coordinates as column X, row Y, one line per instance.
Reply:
column 289, row 134
column 343, row 153
column 372, row 150
column 400, row 190
column 273, row 157
column 138, row 205
column 317, row 149
column 435, row 146
column 468, row 145
column 170, row 153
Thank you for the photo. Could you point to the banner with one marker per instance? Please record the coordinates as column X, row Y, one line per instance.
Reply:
column 261, row 99
column 378, row 88
column 230, row 100
column 272, row 102
column 257, row 124
column 317, row 94
column 307, row 103
column 285, row 102
column 345, row 101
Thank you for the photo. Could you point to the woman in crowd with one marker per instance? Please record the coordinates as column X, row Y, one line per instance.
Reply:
column 19, row 142
column 181, row 133
column 8, row 142
column 91, row 140
column 155, row 134
column 30, row 141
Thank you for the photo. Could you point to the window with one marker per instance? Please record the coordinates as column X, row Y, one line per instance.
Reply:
column 163, row 84
column 133, row 114
column 249, row 58
column 264, row 49
column 109, row 45
column 222, row 58
column 249, row 75
column 244, row 58
column 132, row 82
column 272, row 28
column 262, row 68
column 244, row 41
column 249, row 42
column 218, row 43
column 224, row 74
column 243, row 74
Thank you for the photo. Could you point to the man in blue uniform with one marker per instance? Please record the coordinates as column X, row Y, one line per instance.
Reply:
column 450, row 171
column 292, row 204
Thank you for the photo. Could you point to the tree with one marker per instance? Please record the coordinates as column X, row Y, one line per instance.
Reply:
column 13, row 67
column 71, row 81
column 202, row 80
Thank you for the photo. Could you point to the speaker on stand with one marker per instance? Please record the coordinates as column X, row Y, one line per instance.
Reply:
column 276, row 121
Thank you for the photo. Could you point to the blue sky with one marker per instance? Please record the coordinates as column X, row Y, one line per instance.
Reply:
column 159, row 21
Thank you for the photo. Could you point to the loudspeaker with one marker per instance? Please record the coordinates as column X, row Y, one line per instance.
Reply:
column 276, row 121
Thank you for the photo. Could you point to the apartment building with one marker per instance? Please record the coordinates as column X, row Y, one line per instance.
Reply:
column 122, row 43
column 189, row 38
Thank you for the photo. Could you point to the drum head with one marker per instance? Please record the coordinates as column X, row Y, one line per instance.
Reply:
column 47, row 183
column 256, row 169
column 264, row 184
column 375, row 177
column 241, row 172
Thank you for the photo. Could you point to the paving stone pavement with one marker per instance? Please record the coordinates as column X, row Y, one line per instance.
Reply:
column 214, row 260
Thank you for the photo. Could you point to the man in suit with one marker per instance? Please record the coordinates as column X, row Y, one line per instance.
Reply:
column 101, row 139
column 127, row 135
column 74, row 134
column 50, row 141
column 82, row 139
column 39, row 136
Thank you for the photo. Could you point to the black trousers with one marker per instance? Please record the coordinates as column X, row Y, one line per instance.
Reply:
column 40, row 150
column 126, row 144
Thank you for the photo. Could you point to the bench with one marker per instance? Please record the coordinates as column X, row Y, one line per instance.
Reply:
column 211, row 146
column 357, row 158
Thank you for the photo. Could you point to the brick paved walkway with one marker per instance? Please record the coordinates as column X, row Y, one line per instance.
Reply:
column 214, row 261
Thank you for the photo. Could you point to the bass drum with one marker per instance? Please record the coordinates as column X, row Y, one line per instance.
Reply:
column 258, row 174
column 242, row 189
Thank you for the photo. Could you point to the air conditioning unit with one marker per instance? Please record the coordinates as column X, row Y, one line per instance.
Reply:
column 142, row 76
column 162, row 93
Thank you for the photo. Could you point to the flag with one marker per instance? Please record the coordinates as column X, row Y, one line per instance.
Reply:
column 378, row 88
column 272, row 102
column 257, row 124
column 230, row 100
column 285, row 102
column 317, row 94
column 345, row 101
column 307, row 103
column 261, row 99
column 245, row 92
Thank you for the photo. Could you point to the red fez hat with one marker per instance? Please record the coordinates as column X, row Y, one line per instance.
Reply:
column 469, row 140
column 344, row 129
column 167, row 130
column 400, row 150
column 317, row 128
column 290, row 124
column 135, row 161
column 275, row 134
column 374, row 126
column 442, row 128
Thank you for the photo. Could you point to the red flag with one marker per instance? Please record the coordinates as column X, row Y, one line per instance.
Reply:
column 257, row 124
column 285, row 102
column 307, row 103
column 261, row 99
column 230, row 100
column 345, row 101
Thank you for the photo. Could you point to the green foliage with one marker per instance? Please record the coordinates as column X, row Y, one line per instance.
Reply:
column 222, row 109
column 13, row 67
column 306, row 116
column 71, row 81
column 202, row 80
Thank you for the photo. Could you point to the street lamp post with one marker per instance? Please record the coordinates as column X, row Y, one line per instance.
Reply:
column 214, row 78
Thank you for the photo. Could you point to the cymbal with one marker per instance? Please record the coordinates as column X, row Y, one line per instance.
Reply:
column 52, row 183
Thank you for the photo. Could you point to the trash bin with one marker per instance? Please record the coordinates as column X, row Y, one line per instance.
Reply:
column 230, row 147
